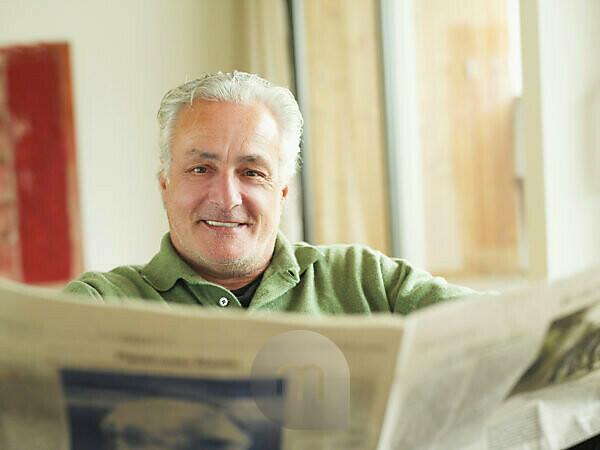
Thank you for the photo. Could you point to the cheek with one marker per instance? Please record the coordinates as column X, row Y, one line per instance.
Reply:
column 181, row 197
column 263, row 201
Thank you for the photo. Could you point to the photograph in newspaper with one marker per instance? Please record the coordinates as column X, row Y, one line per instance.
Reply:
column 119, row 411
column 571, row 350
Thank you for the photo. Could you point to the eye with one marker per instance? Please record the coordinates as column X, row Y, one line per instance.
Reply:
column 253, row 173
column 199, row 169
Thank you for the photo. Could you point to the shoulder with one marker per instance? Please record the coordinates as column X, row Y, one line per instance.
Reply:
column 355, row 260
column 348, row 255
column 123, row 281
column 405, row 286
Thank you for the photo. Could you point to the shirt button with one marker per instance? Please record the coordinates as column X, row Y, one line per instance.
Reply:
column 223, row 301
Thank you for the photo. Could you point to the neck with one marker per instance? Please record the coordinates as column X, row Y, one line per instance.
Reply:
column 227, row 276
column 235, row 282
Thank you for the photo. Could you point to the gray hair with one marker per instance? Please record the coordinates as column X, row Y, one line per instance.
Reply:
column 236, row 87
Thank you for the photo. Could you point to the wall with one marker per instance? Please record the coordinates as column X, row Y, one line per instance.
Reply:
column 561, row 64
column 124, row 56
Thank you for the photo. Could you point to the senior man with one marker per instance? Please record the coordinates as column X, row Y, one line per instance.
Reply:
column 229, row 145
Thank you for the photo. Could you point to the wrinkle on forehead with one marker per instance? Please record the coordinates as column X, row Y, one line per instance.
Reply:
column 266, row 128
column 221, row 123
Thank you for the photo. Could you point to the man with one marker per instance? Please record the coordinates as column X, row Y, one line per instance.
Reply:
column 229, row 145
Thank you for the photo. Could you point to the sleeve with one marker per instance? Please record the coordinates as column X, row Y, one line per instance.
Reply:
column 409, row 288
column 82, row 289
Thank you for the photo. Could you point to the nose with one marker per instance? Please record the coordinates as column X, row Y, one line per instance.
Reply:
column 225, row 191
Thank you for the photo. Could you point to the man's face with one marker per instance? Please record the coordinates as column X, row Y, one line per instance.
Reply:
column 224, row 199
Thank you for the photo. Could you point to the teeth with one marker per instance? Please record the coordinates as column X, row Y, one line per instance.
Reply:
column 214, row 223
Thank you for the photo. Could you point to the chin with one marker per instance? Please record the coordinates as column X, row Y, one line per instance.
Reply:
column 237, row 268
column 229, row 259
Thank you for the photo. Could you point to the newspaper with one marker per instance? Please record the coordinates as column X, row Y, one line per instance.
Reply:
column 556, row 403
column 516, row 370
column 68, row 369
column 456, row 365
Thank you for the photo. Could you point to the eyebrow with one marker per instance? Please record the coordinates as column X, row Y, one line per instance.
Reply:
column 204, row 154
column 252, row 158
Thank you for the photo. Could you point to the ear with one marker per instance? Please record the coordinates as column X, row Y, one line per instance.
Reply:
column 284, row 192
column 162, row 181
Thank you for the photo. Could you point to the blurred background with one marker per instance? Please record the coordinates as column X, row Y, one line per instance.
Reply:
column 461, row 135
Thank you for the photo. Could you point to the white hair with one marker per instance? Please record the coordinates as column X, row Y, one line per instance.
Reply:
column 236, row 87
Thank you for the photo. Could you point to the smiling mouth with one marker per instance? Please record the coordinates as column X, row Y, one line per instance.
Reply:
column 217, row 224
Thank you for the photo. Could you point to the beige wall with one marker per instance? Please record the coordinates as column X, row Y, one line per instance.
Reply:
column 561, row 64
column 124, row 56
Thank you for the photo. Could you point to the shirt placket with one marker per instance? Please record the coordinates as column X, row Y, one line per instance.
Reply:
column 211, row 295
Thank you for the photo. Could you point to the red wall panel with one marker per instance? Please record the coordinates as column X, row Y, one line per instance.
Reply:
column 37, row 84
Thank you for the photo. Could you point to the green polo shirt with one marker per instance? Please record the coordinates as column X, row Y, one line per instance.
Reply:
column 332, row 279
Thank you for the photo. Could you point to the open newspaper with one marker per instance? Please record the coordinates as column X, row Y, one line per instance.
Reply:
column 517, row 370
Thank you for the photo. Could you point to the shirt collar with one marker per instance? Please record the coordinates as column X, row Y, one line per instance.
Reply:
column 167, row 267
column 163, row 271
column 290, row 259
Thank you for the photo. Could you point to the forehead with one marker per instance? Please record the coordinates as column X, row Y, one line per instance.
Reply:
column 224, row 121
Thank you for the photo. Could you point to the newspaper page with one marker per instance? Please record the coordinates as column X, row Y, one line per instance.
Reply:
column 86, row 376
column 458, row 361
column 556, row 403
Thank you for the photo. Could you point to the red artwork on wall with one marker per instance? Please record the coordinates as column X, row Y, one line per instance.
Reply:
column 39, row 218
